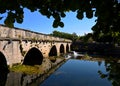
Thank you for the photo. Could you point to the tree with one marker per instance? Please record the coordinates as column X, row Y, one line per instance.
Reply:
column 107, row 12
column 72, row 37
column 107, row 25
column 87, row 38
column 56, row 9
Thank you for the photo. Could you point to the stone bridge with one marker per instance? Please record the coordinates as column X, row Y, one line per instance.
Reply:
column 28, row 47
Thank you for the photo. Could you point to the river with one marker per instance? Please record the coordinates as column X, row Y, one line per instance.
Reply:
column 77, row 71
column 84, row 72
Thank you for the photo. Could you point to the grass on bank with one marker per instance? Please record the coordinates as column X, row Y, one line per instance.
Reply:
column 37, row 69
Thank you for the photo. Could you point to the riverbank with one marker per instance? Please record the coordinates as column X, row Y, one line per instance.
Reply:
column 98, row 58
column 21, row 76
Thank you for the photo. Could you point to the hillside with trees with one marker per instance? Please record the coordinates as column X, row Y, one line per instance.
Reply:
column 72, row 37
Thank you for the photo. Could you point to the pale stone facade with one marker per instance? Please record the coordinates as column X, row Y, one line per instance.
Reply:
column 15, row 43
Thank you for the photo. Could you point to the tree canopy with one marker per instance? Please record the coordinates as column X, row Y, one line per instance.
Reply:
column 108, row 23
column 106, row 11
column 72, row 37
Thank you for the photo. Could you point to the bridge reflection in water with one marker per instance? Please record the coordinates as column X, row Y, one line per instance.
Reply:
column 75, row 72
column 86, row 72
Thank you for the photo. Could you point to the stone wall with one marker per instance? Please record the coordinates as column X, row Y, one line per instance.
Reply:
column 17, row 33
column 16, row 43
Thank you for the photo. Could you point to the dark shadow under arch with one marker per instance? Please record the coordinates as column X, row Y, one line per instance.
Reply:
column 3, row 69
column 3, row 62
column 33, row 57
column 62, row 49
column 67, row 48
column 53, row 51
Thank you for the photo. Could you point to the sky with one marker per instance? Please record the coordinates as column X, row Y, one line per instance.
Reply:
column 36, row 22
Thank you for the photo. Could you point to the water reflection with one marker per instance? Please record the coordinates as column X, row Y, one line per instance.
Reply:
column 113, row 72
column 23, row 79
column 20, row 79
column 3, row 70
column 75, row 72
column 78, row 72
column 3, row 77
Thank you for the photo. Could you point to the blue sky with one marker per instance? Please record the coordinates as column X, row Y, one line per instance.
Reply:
column 38, row 23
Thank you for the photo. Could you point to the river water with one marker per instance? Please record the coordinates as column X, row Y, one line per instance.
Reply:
column 82, row 72
column 77, row 71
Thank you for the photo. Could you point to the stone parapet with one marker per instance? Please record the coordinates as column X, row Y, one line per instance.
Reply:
column 17, row 33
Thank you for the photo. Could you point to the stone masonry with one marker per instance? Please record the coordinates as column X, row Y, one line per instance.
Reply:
column 15, row 44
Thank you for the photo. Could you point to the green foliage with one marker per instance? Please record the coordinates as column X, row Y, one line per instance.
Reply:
column 112, row 71
column 54, row 8
column 86, row 56
column 86, row 38
column 72, row 37
column 27, row 69
column 107, row 28
column 106, row 11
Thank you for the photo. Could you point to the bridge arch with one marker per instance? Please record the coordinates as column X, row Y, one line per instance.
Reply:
column 3, row 63
column 62, row 49
column 53, row 51
column 33, row 57
column 67, row 48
